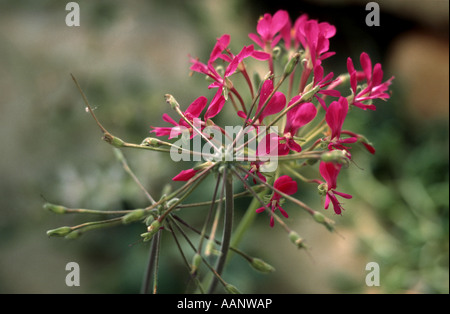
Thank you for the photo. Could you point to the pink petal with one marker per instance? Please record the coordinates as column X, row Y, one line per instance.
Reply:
column 197, row 106
column 286, row 185
column 366, row 65
column 330, row 171
column 185, row 175
column 216, row 105
column 244, row 53
column 335, row 116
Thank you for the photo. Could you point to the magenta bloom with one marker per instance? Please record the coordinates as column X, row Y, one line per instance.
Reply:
column 323, row 82
column 192, row 112
column 335, row 117
column 275, row 104
column 314, row 37
column 296, row 118
column 286, row 185
column 220, row 82
column 330, row 172
column 268, row 29
column 375, row 89
column 185, row 175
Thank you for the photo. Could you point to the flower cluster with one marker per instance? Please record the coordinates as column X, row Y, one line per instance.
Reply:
column 290, row 115
column 306, row 41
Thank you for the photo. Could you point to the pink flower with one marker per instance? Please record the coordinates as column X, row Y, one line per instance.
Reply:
column 314, row 37
column 222, row 83
column 286, row 185
column 275, row 104
column 185, row 175
column 192, row 112
column 375, row 88
column 329, row 172
column 296, row 118
column 268, row 29
column 335, row 117
column 323, row 82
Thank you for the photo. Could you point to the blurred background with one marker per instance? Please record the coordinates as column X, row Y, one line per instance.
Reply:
column 126, row 56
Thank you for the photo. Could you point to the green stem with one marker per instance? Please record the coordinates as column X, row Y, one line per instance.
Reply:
column 228, row 226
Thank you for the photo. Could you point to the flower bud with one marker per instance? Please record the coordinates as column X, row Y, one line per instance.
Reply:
column 232, row 289
column 261, row 266
column 57, row 209
column 73, row 235
column 196, row 261
column 151, row 141
column 154, row 226
column 292, row 63
column 295, row 238
column 310, row 93
column 172, row 101
column 135, row 215
column 318, row 217
column 59, row 232
column 114, row 141
column 336, row 156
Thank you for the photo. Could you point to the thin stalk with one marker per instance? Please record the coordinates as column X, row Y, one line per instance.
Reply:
column 208, row 218
column 228, row 226
column 150, row 265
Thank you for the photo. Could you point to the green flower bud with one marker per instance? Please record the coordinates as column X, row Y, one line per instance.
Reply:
column 151, row 141
column 196, row 261
column 172, row 101
column 154, row 227
column 337, row 156
column 292, row 63
column 59, row 232
column 231, row 289
column 318, row 217
column 135, row 215
column 114, row 141
column 149, row 220
column 57, row 209
column 172, row 202
column 210, row 247
column 295, row 238
column 310, row 93
column 73, row 235
column 261, row 266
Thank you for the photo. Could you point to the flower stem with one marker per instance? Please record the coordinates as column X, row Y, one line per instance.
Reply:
column 228, row 226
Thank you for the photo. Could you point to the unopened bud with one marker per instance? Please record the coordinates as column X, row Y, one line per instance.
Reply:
column 196, row 261
column 261, row 266
column 292, row 63
column 310, row 93
column 135, row 215
column 151, row 141
column 172, row 202
column 73, row 235
column 172, row 101
column 335, row 155
column 296, row 239
column 210, row 247
column 318, row 217
column 154, row 226
column 57, row 209
column 232, row 289
column 59, row 232
column 114, row 141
